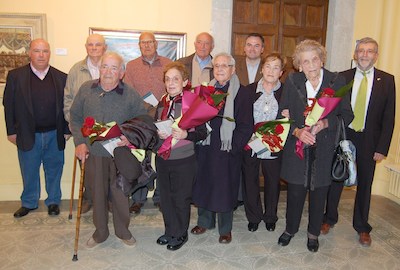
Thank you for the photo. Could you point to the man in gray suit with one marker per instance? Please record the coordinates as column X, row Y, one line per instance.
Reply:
column 372, row 139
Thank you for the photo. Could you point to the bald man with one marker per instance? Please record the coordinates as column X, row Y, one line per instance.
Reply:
column 199, row 64
column 33, row 108
column 83, row 71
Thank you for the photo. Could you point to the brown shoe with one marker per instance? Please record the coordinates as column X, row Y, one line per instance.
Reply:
column 198, row 230
column 86, row 206
column 225, row 239
column 135, row 208
column 365, row 239
column 325, row 227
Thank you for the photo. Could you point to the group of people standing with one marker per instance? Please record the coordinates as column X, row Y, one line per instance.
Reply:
column 209, row 166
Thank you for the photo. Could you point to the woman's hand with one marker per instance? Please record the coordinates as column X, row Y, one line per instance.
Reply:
column 179, row 134
column 320, row 125
column 285, row 113
column 162, row 134
column 304, row 135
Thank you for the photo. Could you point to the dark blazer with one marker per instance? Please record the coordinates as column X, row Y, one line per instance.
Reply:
column 188, row 61
column 294, row 98
column 380, row 118
column 18, row 108
column 241, row 71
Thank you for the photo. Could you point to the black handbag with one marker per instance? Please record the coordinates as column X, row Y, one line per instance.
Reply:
column 340, row 164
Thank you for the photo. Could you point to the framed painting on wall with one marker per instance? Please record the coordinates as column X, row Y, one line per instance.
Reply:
column 126, row 42
column 16, row 32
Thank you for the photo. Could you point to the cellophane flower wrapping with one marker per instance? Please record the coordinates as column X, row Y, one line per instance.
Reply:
column 198, row 107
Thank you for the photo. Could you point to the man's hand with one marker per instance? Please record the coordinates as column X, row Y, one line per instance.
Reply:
column 12, row 138
column 124, row 141
column 82, row 152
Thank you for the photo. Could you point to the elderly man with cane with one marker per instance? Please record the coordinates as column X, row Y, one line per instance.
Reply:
column 107, row 99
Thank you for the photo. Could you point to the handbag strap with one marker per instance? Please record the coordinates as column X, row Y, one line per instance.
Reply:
column 341, row 131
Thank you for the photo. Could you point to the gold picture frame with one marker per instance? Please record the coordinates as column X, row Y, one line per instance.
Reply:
column 16, row 32
column 126, row 42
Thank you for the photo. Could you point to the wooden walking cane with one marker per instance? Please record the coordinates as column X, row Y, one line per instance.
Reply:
column 78, row 215
column 71, row 201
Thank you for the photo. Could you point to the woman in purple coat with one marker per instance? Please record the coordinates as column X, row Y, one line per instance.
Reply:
column 219, row 157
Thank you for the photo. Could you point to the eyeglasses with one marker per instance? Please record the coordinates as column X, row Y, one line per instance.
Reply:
column 362, row 51
column 173, row 80
column 147, row 42
column 223, row 66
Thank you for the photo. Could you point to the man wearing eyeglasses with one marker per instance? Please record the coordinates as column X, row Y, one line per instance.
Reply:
column 248, row 69
column 106, row 100
column 83, row 71
column 373, row 102
column 145, row 75
column 199, row 64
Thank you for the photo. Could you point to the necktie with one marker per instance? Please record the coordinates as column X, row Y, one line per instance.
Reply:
column 359, row 107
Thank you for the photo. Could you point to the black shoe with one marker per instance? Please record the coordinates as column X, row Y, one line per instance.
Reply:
column 252, row 227
column 270, row 227
column 177, row 243
column 312, row 244
column 163, row 240
column 284, row 239
column 53, row 210
column 23, row 211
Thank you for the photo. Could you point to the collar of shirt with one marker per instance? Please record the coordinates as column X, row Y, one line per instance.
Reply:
column 94, row 70
column 311, row 92
column 260, row 88
column 150, row 62
column 40, row 74
column 203, row 62
column 119, row 89
column 369, row 73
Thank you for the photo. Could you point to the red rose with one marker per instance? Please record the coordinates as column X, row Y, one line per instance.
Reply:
column 210, row 101
column 89, row 122
column 328, row 92
column 211, row 89
column 86, row 131
column 278, row 129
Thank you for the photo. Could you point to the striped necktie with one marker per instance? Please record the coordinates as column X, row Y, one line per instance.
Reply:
column 359, row 107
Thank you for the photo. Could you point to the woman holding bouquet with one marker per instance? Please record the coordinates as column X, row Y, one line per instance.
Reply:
column 266, row 95
column 176, row 174
column 312, row 173
column 215, row 192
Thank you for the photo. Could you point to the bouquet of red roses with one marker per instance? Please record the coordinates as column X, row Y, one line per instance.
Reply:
column 198, row 107
column 321, row 106
column 272, row 134
column 99, row 131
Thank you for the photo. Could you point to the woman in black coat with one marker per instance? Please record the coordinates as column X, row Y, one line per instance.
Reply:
column 312, row 173
column 266, row 95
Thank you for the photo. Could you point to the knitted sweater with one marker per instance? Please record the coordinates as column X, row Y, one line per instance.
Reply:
column 119, row 105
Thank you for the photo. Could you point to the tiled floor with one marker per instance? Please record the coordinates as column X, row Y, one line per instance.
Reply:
column 38, row 241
